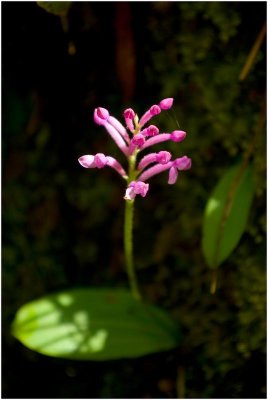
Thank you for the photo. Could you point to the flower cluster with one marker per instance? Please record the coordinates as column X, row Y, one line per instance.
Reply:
column 132, row 144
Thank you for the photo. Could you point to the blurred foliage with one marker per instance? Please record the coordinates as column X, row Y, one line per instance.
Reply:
column 59, row 8
column 62, row 226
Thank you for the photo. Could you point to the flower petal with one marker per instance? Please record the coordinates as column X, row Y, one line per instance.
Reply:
column 163, row 157
column 100, row 160
column 116, row 137
column 134, row 188
column 173, row 175
column 183, row 163
column 113, row 163
column 119, row 127
column 130, row 194
column 87, row 161
column 137, row 141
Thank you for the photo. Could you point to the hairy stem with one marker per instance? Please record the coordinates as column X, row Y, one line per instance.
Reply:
column 128, row 246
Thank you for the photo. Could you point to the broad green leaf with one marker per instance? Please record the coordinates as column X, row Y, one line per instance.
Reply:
column 59, row 8
column 94, row 324
column 226, row 214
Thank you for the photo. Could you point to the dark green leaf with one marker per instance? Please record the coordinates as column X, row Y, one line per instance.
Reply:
column 94, row 324
column 226, row 214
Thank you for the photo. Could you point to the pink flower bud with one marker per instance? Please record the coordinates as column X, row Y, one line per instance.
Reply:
column 183, row 163
column 177, row 136
column 136, row 142
column 166, row 104
column 129, row 113
column 87, row 161
column 155, row 109
column 101, row 115
column 163, row 157
column 152, row 130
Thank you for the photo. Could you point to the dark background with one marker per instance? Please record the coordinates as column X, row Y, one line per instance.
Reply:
column 62, row 225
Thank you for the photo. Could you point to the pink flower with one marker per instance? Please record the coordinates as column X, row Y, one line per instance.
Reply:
column 162, row 157
column 179, row 164
column 175, row 136
column 129, row 115
column 135, row 188
column 183, row 163
column 154, row 110
column 119, row 127
column 152, row 130
column 100, row 161
column 113, row 127
column 101, row 115
column 141, row 139
column 136, row 143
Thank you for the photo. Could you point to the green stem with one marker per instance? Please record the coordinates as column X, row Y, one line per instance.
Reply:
column 128, row 245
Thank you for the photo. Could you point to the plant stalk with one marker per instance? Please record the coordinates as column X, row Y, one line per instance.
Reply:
column 128, row 246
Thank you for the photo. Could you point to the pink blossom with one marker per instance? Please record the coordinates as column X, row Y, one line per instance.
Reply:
column 100, row 161
column 154, row 110
column 129, row 115
column 140, row 140
column 119, row 127
column 183, row 163
column 162, row 157
column 179, row 164
column 101, row 115
column 166, row 104
column 175, row 136
column 173, row 175
column 113, row 127
column 152, row 130
column 156, row 169
column 136, row 142
column 134, row 188
column 115, row 135
column 87, row 161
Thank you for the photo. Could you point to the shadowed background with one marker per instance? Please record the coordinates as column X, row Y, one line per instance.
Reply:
column 62, row 225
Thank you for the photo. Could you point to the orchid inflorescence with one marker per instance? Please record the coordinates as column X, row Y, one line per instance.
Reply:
column 131, row 145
